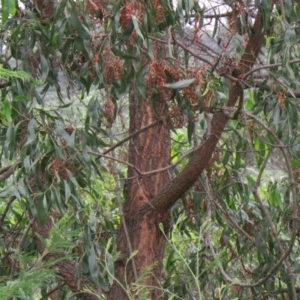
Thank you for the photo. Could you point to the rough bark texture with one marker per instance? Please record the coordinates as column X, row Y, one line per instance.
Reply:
column 177, row 187
column 148, row 151
column 150, row 198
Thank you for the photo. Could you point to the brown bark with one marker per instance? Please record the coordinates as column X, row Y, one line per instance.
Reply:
column 148, row 151
column 149, row 199
column 177, row 187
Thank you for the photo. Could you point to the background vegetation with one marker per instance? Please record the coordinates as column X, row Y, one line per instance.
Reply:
column 68, row 76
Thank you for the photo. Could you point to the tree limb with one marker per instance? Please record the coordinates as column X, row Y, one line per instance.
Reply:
column 8, row 171
column 179, row 185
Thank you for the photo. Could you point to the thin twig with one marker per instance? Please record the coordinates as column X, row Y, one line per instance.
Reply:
column 235, row 225
column 140, row 173
column 294, row 61
column 21, row 243
column 294, row 201
column 130, row 137
column 291, row 93
column 295, row 219
column 189, row 50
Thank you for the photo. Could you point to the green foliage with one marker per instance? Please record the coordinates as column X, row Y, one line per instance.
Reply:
column 24, row 287
column 8, row 74
column 8, row 7
column 65, row 80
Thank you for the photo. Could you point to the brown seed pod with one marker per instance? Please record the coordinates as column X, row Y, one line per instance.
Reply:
column 69, row 129
column 61, row 168
column 156, row 78
column 201, row 84
column 113, row 69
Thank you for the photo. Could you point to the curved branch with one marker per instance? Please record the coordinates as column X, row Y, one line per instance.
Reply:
column 7, row 172
column 186, row 178
column 5, row 169
column 295, row 215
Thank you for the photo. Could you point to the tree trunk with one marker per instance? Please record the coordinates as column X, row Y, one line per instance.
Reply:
column 148, row 151
column 149, row 198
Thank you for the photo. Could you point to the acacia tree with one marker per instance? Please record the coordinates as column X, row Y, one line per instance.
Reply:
column 227, row 72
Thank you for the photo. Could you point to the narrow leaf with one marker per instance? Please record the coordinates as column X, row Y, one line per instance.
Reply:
column 179, row 84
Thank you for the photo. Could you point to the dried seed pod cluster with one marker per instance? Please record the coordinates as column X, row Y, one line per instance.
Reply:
column 176, row 116
column 112, row 65
column 211, row 170
column 109, row 109
column 22, row 131
column 45, row 8
column 61, row 168
column 281, row 96
column 129, row 9
column 157, row 78
column 159, row 11
column 200, row 84
column 94, row 7
column 113, row 69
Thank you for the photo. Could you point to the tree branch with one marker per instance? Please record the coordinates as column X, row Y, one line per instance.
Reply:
column 190, row 51
column 5, row 169
column 179, row 185
column 129, row 137
column 65, row 268
column 140, row 173
column 294, row 61
column 7, row 172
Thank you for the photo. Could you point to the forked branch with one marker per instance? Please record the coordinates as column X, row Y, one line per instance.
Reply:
column 179, row 185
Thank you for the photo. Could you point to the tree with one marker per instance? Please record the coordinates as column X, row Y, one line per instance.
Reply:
column 226, row 72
